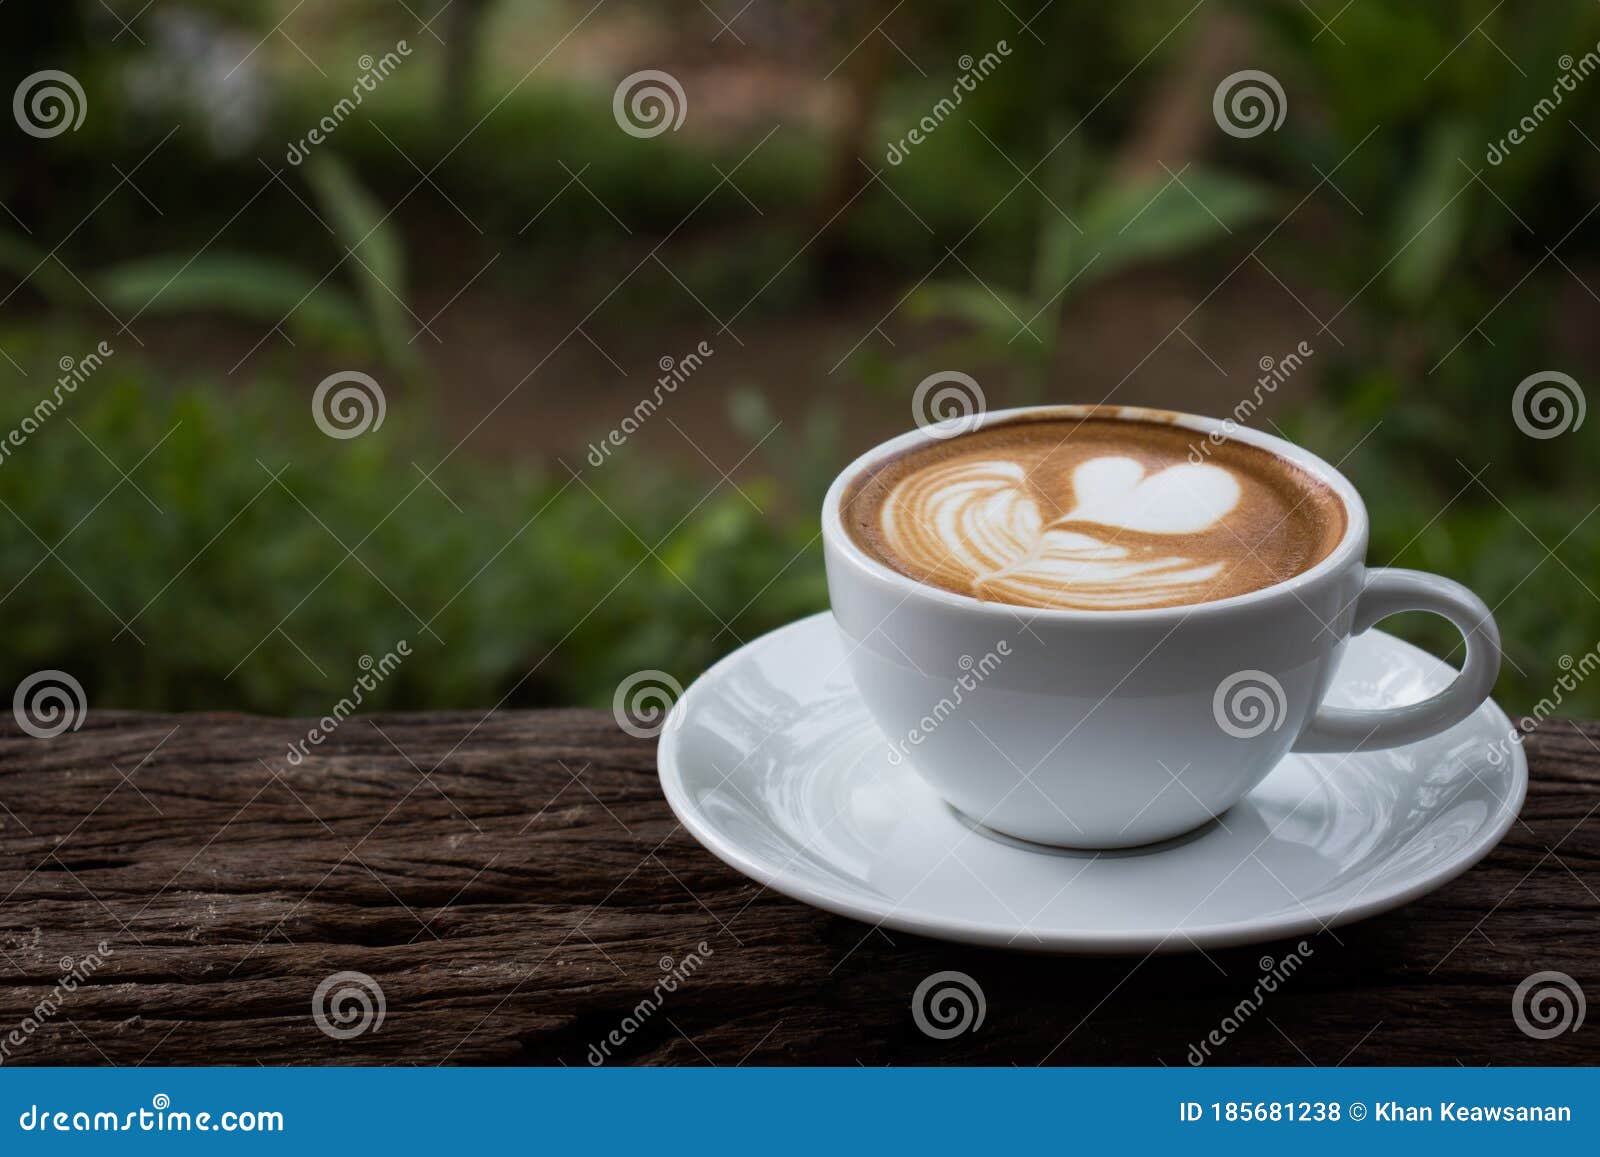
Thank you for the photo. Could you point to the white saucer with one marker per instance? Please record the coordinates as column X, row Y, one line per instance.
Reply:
column 770, row 760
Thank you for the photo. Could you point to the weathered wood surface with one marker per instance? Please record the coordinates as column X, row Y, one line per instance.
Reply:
column 513, row 885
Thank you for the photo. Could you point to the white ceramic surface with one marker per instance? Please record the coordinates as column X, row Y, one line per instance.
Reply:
column 1083, row 719
column 772, row 762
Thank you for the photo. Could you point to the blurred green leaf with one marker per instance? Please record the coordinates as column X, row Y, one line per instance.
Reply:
column 259, row 288
column 1431, row 219
column 27, row 262
column 1122, row 225
column 1164, row 217
column 991, row 309
column 377, row 258
column 1061, row 249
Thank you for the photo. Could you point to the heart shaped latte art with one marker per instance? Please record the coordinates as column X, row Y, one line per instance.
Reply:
column 977, row 524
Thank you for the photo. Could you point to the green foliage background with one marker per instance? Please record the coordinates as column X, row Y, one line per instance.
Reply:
column 1457, row 279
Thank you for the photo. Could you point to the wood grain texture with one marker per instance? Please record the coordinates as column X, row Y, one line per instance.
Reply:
column 513, row 884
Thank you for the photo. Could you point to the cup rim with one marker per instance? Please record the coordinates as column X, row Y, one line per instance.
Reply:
column 1351, row 544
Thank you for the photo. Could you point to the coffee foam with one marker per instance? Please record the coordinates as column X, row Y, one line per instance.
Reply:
column 1097, row 514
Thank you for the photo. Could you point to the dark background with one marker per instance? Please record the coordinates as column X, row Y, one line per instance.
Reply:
column 483, row 238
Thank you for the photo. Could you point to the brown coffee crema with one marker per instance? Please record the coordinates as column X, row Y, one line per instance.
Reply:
column 1093, row 514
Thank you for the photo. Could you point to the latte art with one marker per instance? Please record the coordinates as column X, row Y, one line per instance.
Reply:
column 980, row 518
column 1097, row 515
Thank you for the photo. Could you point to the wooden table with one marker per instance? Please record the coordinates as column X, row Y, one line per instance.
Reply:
column 515, row 886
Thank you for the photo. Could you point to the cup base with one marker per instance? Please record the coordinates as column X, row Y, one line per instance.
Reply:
column 1083, row 851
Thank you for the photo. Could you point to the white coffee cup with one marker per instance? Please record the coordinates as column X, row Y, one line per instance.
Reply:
column 1106, row 729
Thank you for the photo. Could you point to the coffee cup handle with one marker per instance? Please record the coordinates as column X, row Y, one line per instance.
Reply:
column 1388, row 591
